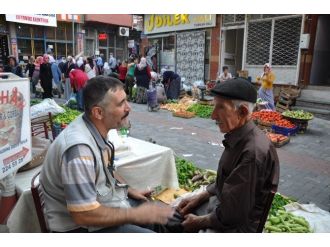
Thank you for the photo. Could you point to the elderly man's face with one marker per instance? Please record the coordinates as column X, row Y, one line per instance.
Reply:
column 225, row 114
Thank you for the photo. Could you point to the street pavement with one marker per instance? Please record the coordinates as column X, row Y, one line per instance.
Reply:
column 304, row 162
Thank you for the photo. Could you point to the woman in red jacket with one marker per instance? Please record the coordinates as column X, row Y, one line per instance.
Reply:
column 78, row 80
column 122, row 71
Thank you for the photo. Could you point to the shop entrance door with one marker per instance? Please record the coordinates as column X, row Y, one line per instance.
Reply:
column 232, row 50
column 320, row 73
column 104, row 51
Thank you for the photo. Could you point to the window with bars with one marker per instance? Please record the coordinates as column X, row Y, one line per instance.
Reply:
column 285, row 43
column 258, row 42
column 233, row 19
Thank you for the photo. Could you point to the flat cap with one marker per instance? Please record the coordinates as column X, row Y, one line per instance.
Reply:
column 237, row 88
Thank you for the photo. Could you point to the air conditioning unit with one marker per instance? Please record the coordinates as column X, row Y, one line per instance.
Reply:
column 124, row 31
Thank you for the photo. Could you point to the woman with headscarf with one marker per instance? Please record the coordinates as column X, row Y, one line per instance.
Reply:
column 90, row 68
column 81, row 64
column 57, row 74
column 78, row 81
column 13, row 67
column 36, row 72
column 46, row 77
column 69, row 65
column 265, row 92
column 143, row 76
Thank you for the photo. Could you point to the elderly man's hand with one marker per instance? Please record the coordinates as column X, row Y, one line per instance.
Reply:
column 192, row 223
column 186, row 206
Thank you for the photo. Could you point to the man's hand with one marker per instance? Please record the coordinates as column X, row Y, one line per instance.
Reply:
column 194, row 223
column 150, row 213
column 186, row 206
column 139, row 195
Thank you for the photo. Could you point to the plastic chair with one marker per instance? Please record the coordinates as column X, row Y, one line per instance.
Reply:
column 39, row 203
column 42, row 125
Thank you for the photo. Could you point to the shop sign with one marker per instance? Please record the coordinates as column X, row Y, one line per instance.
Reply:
column 170, row 23
column 15, row 125
column 102, row 36
column 38, row 19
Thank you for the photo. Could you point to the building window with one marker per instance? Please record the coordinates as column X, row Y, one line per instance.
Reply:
column 229, row 20
column 39, row 47
column 24, row 48
column 286, row 41
column 61, row 50
column 258, row 42
column 60, row 31
column 50, row 32
column 23, row 30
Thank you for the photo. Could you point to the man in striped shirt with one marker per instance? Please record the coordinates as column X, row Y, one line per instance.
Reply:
column 82, row 191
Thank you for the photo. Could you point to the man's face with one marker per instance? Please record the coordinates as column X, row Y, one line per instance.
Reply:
column 116, row 109
column 225, row 114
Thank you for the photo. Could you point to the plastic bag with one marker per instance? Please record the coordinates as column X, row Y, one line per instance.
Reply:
column 199, row 84
column 42, row 109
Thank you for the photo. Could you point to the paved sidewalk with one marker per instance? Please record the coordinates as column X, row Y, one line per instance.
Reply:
column 305, row 161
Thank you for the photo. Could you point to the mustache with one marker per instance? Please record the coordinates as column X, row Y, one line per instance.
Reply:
column 125, row 116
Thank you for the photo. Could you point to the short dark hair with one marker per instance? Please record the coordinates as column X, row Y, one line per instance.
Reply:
column 96, row 89
column 224, row 68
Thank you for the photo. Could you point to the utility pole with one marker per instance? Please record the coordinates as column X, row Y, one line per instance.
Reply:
column 73, row 51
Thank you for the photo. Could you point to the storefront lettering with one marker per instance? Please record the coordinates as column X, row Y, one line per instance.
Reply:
column 166, row 20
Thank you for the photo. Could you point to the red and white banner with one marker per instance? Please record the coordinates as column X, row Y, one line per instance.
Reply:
column 38, row 19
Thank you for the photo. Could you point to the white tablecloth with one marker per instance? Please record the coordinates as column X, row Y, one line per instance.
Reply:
column 143, row 165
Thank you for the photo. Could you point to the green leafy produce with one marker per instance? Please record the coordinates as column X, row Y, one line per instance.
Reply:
column 203, row 111
column 284, row 221
column 35, row 101
column 191, row 177
column 66, row 117
column 278, row 202
column 281, row 221
column 299, row 114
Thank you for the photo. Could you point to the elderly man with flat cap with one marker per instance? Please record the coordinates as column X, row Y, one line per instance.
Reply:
column 247, row 170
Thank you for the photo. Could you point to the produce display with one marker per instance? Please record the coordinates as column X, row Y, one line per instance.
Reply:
column 266, row 117
column 281, row 221
column 183, row 114
column 190, row 177
column 203, row 111
column 277, row 138
column 284, row 123
column 299, row 114
column 66, row 117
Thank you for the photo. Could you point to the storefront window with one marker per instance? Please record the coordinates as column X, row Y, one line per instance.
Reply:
column 60, row 31
column 120, row 42
column 38, row 32
column 169, row 43
column 24, row 48
column 23, row 30
column 70, row 51
column 39, row 47
column 50, row 32
column 60, row 50
column 69, row 31
column 103, row 42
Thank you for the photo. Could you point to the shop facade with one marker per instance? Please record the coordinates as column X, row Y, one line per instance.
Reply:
column 250, row 41
column 182, row 43
column 105, row 34
column 64, row 34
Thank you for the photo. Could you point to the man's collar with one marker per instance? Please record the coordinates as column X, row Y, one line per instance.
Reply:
column 233, row 137
column 96, row 134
